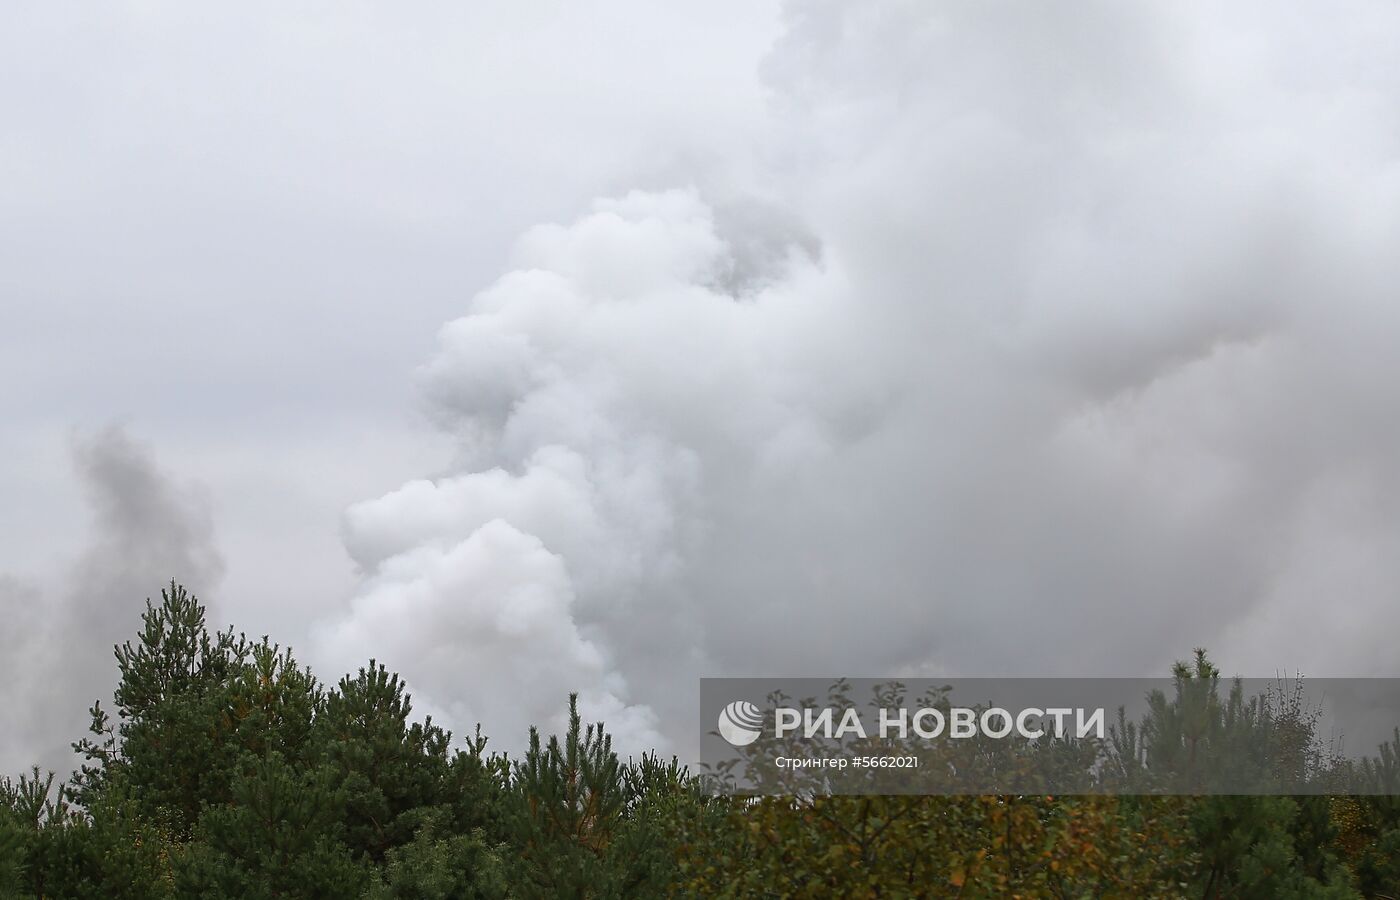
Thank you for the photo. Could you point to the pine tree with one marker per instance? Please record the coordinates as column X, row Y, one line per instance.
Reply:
column 388, row 769
column 440, row 864
column 570, row 799
column 171, row 697
column 279, row 836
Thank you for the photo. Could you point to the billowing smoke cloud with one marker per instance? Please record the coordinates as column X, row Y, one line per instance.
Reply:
column 57, row 658
column 1034, row 343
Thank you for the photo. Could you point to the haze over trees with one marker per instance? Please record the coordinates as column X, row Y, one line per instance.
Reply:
column 222, row 768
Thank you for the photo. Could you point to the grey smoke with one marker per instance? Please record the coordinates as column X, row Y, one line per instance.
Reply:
column 146, row 528
column 956, row 337
column 22, row 666
column 1070, row 349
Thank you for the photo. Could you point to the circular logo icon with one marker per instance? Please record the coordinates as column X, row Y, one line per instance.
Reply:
column 740, row 723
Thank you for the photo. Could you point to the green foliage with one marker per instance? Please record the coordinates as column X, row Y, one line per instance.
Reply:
column 939, row 846
column 176, row 708
column 570, row 802
column 226, row 771
column 388, row 770
column 1369, row 826
column 279, row 836
column 1198, row 740
column 1249, row 850
column 12, row 854
column 439, row 864
column 60, row 852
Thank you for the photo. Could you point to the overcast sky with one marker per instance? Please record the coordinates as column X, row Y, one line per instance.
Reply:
column 537, row 347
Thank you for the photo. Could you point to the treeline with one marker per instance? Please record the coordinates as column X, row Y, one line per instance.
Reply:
column 1195, row 736
column 225, row 770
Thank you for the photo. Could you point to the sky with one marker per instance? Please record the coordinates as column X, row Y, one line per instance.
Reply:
column 540, row 347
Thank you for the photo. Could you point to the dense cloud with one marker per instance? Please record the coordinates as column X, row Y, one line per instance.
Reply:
column 958, row 337
column 1029, row 343
column 238, row 227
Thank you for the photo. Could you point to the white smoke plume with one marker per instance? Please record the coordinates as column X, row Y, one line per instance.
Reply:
column 1026, row 342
